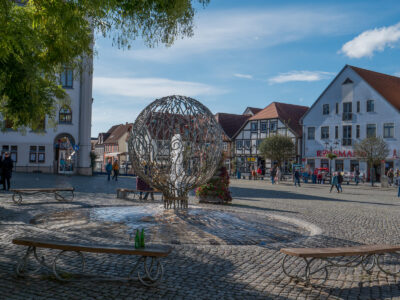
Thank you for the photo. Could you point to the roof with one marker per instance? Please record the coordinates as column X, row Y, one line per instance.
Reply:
column 386, row 85
column 231, row 123
column 253, row 110
column 287, row 113
column 116, row 132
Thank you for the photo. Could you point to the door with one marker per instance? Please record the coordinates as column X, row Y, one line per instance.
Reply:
column 65, row 162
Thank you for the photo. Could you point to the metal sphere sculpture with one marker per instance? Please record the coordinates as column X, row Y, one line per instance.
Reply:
column 175, row 146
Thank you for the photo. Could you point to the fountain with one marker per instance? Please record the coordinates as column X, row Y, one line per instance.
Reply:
column 175, row 146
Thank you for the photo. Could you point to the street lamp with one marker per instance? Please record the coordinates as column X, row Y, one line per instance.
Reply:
column 331, row 155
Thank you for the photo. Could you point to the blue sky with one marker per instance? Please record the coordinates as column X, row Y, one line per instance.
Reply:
column 248, row 53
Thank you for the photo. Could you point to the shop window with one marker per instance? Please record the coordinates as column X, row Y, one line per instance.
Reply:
column 32, row 154
column 324, row 163
column 371, row 130
column 338, row 165
column 311, row 163
column 65, row 115
column 354, row 165
column 14, row 153
column 42, row 154
column 311, row 133
column 388, row 130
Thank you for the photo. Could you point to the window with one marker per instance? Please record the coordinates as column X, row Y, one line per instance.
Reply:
column 338, row 165
column 347, row 111
column 324, row 163
column 388, row 130
column 14, row 153
column 346, row 135
column 65, row 115
column 325, row 109
column 247, row 144
column 357, row 131
column 41, row 154
column 358, row 106
column 370, row 106
column 263, row 126
column 273, row 125
column 325, row 132
column 239, row 145
column 32, row 154
column 225, row 145
column 311, row 133
column 258, row 143
column 67, row 78
column 5, row 148
column 337, row 107
column 254, row 126
column 371, row 130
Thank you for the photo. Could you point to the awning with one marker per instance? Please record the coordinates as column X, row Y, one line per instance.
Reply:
column 112, row 154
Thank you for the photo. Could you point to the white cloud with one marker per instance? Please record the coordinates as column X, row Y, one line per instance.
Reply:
column 397, row 74
column 241, row 29
column 150, row 88
column 370, row 41
column 247, row 76
column 300, row 76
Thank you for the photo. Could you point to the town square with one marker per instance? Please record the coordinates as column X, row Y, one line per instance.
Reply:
column 199, row 149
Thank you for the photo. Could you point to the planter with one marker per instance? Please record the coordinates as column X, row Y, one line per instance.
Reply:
column 210, row 199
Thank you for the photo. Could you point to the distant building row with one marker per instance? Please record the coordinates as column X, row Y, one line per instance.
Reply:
column 357, row 104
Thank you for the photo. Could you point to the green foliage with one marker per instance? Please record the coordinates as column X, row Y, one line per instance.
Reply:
column 372, row 150
column 41, row 37
column 277, row 148
column 93, row 155
column 331, row 155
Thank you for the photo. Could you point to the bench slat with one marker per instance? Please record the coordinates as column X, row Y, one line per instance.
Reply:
column 137, row 191
column 42, row 189
column 340, row 251
column 114, row 249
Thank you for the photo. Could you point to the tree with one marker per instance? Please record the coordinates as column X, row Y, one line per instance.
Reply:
column 277, row 148
column 41, row 37
column 372, row 150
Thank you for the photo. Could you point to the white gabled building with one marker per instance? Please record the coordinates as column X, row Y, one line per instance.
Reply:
column 358, row 103
column 64, row 149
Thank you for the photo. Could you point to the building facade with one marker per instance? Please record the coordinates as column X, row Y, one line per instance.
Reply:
column 66, row 148
column 276, row 118
column 357, row 104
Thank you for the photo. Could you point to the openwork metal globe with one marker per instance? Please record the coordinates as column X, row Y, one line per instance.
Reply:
column 175, row 146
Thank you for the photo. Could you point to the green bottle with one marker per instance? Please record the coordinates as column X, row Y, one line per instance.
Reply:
column 142, row 239
column 137, row 239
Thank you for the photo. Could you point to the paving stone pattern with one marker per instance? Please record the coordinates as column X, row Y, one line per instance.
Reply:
column 360, row 215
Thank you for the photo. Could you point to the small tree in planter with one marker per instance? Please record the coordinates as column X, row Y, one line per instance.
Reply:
column 216, row 190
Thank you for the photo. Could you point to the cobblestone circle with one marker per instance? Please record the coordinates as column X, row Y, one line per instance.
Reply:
column 360, row 215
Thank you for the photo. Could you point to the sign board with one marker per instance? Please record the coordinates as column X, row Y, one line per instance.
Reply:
column 251, row 159
column 76, row 147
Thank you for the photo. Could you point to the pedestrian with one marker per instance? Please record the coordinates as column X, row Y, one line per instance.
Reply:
column 296, row 178
column 390, row 175
column 109, row 168
column 340, row 181
column 259, row 172
column 253, row 173
column 334, row 182
column 278, row 175
column 319, row 177
column 115, row 168
column 273, row 174
column 6, row 170
column 357, row 176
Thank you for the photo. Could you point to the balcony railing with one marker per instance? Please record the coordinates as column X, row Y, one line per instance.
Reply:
column 346, row 142
column 347, row 116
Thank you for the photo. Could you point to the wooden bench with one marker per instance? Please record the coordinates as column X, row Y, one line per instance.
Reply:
column 152, row 271
column 18, row 193
column 124, row 193
column 368, row 256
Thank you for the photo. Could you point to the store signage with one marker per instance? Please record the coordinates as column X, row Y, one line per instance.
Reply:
column 338, row 153
column 251, row 159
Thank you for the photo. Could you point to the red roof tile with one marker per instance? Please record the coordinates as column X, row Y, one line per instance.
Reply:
column 287, row 113
column 231, row 123
column 386, row 85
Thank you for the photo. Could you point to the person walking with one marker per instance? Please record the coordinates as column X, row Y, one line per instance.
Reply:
column 6, row 170
column 390, row 175
column 273, row 174
column 109, row 168
column 115, row 168
column 334, row 182
column 296, row 178
column 278, row 175
column 340, row 181
column 357, row 176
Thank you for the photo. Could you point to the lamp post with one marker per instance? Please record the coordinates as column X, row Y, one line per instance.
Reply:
column 331, row 155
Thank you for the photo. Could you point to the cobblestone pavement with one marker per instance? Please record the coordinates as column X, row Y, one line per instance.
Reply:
column 360, row 215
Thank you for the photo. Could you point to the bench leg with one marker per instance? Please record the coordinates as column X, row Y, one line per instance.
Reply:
column 21, row 266
column 17, row 198
column 153, row 270
column 307, row 271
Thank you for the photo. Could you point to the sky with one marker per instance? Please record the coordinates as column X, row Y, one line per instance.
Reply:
column 248, row 53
